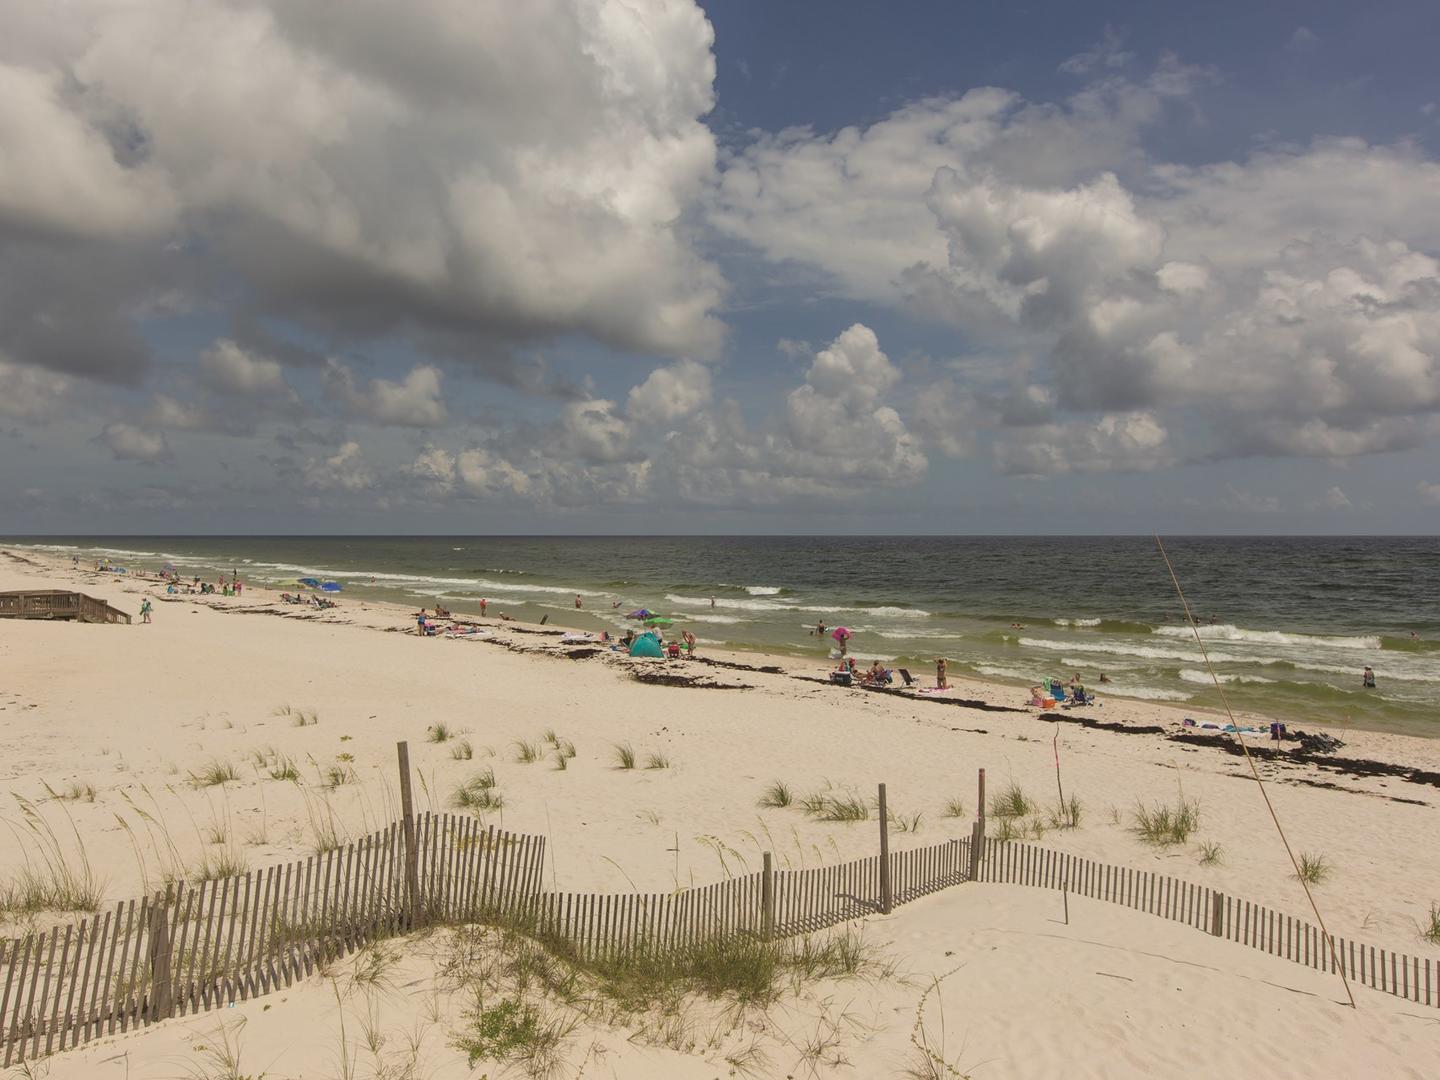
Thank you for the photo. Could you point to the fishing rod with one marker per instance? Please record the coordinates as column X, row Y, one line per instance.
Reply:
column 1254, row 772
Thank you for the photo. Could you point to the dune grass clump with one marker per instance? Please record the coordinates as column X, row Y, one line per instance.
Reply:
column 954, row 808
column 1164, row 825
column 336, row 776
column 214, row 866
column 478, row 794
column 1065, row 815
column 657, row 761
column 830, row 807
column 624, row 756
column 462, row 750
column 1012, row 802
column 1211, row 853
column 777, row 796
column 298, row 717
column 52, row 880
column 438, row 732
column 1430, row 929
column 907, row 823
column 527, row 753
column 214, row 774
column 284, row 768
column 75, row 791
column 1314, row 868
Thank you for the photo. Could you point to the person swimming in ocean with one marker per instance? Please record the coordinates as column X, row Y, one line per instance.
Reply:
column 1367, row 680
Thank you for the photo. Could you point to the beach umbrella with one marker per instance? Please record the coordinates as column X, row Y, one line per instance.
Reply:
column 641, row 613
column 658, row 620
column 308, row 582
column 840, row 633
column 330, row 586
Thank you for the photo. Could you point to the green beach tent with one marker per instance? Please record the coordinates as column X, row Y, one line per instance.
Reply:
column 646, row 645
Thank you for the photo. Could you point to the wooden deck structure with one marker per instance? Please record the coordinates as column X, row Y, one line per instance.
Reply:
column 57, row 604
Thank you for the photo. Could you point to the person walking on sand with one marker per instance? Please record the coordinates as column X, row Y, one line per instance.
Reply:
column 941, row 683
column 146, row 609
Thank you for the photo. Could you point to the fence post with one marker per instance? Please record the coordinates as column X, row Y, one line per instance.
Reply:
column 977, row 831
column 767, row 899
column 886, row 900
column 162, row 995
column 407, row 819
column 1217, row 914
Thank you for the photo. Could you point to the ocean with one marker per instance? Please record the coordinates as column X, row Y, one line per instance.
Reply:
column 1290, row 622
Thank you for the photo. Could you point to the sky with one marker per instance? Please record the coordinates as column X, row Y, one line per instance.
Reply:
column 660, row 266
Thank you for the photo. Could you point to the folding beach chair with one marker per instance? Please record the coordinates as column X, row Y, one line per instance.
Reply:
column 909, row 679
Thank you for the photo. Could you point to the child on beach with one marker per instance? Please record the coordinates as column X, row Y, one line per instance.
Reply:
column 941, row 683
column 145, row 610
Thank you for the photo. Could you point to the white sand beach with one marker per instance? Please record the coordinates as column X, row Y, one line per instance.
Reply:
column 122, row 717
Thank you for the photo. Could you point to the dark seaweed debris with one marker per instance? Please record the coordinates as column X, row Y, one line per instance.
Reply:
column 651, row 677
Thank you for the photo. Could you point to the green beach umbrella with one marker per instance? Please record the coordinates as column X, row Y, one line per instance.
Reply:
column 659, row 620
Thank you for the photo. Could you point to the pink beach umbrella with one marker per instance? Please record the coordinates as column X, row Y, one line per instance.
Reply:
column 840, row 633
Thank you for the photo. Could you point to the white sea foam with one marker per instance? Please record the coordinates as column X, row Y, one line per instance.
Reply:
column 1203, row 677
column 896, row 612
column 1147, row 693
column 1145, row 652
column 728, row 603
column 1227, row 632
column 690, row 616
column 762, row 590
column 1003, row 672
column 1076, row 622
column 917, row 634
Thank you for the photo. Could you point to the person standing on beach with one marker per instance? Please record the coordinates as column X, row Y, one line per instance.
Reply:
column 941, row 683
column 577, row 601
column 483, row 602
column 146, row 609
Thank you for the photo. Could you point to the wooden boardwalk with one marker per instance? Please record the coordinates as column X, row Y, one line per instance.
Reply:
column 57, row 604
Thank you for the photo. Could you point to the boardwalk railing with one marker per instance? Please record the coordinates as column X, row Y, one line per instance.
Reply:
column 205, row 945
column 57, row 604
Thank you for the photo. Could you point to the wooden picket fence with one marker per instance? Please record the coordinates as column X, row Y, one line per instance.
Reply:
column 202, row 946
column 768, row 903
column 1216, row 913
column 196, row 947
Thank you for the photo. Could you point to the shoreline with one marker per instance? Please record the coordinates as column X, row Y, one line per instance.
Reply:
column 1276, row 667
column 970, row 693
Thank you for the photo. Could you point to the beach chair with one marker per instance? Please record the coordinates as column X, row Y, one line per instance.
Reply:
column 909, row 679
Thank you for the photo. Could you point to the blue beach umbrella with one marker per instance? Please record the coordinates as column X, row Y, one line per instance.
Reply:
column 641, row 613
column 308, row 582
column 330, row 586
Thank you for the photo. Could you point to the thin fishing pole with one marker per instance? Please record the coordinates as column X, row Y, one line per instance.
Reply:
column 1195, row 629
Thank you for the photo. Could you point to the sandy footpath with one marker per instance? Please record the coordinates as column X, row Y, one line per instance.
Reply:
column 132, row 712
